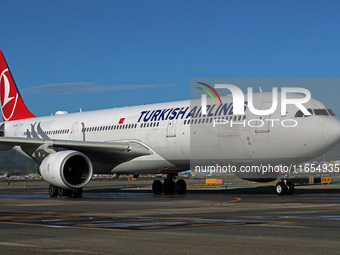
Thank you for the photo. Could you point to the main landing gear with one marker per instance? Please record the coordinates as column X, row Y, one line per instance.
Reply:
column 169, row 186
column 284, row 187
column 55, row 192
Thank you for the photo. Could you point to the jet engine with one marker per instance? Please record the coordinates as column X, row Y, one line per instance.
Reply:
column 66, row 169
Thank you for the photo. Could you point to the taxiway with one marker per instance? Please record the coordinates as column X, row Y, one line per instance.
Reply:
column 127, row 218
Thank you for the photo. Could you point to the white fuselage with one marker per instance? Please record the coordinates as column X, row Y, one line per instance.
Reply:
column 178, row 134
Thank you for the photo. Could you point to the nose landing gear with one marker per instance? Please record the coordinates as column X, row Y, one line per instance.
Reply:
column 284, row 187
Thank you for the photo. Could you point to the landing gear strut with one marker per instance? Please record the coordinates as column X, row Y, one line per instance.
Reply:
column 55, row 192
column 169, row 186
column 284, row 187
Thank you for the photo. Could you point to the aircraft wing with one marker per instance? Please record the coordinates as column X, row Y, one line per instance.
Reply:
column 103, row 152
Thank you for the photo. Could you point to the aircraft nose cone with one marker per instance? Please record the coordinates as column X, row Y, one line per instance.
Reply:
column 331, row 130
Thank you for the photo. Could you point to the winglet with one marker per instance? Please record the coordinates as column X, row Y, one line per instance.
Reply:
column 12, row 105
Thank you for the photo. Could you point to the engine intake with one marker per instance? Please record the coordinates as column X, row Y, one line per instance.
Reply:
column 66, row 169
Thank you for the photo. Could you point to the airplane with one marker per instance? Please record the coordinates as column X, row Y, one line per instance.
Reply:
column 164, row 138
column 4, row 176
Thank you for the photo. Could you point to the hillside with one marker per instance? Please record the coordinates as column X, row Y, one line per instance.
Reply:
column 11, row 161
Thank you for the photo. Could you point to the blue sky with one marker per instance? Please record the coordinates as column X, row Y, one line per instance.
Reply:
column 67, row 55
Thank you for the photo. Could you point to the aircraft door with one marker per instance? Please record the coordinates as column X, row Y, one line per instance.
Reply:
column 73, row 131
column 171, row 129
column 263, row 125
column 17, row 130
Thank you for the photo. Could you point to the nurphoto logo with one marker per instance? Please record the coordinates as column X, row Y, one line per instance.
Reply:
column 239, row 103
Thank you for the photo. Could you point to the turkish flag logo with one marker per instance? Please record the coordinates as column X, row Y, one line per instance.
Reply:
column 9, row 96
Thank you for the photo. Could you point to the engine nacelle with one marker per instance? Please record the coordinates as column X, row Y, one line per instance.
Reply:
column 66, row 169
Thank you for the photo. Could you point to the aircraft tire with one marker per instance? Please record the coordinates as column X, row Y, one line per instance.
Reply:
column 181, row 187
column 290, row 188
column 281, row 189
column 52, row 191
column 169, row 187
column 61, row 192
column 65, row 192
column 77, row 192
column 157, row 187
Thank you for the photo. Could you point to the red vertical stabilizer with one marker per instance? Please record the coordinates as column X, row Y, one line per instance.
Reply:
column 12, row 105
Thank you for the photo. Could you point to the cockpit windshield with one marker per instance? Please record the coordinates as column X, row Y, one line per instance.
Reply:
column 331, row 112
column 300, row 113
column 320, row 112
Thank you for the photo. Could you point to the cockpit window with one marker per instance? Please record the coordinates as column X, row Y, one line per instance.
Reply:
column 310, row 111
column 331, row 112
column 321, row 112
column 299, row 114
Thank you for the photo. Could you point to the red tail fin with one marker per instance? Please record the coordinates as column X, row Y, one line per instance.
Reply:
column 12, row 105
